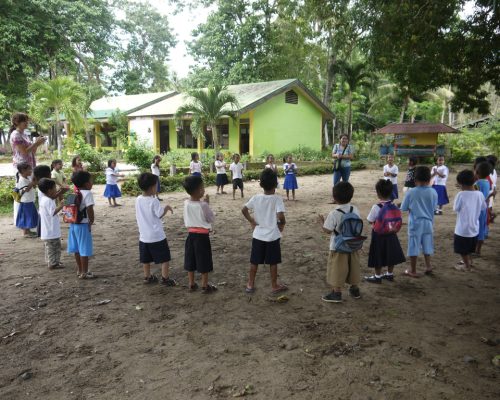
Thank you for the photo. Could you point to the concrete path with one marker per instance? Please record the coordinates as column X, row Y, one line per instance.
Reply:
column 6, row 169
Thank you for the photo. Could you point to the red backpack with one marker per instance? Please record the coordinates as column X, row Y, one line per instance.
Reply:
column 71, row 210
column 389, row 219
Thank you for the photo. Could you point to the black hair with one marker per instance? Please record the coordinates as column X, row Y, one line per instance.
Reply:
column 16, row 119
column 235, row 155
column 41, row 171
column 73, row 161
column 492, row 160
column 80, row 178
column 413, row 160
column 54, row 163
column 344, row 135
column 422, row 174
column 384, row 188
column 268, row 179
column 479, row 160
column 285, row 158
column 192, row 184
column 45, row 184
column 193, row 155
column 22, row 166
column 342, row 192
column 466, row 177
column 483, row 169
column 111, row 161
column 156, row 158
column 146, row 180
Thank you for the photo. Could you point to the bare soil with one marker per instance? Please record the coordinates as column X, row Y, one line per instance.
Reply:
column 410, row 339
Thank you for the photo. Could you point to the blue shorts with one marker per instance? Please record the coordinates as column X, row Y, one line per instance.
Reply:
column 80, row 240
column 420, row 238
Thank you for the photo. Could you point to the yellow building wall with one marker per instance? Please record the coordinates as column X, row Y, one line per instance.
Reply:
column 422, row 139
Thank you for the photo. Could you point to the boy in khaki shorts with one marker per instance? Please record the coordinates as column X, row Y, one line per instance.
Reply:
column 341, row 268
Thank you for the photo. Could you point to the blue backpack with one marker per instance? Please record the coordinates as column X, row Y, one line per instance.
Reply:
column 348, row 238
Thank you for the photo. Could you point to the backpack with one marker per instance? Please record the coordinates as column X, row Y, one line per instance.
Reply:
column 16, row 193
column 389, row 219
column 71, row 210
column 348, row 238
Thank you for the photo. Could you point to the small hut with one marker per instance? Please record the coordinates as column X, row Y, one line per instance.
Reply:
column 418, row 139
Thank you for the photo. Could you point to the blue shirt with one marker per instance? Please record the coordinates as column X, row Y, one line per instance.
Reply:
column 484, row 187
column 420, row 201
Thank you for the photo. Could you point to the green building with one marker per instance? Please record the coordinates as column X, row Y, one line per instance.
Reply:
column 273, row 117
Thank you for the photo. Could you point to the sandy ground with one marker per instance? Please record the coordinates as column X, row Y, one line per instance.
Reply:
column 411, row 339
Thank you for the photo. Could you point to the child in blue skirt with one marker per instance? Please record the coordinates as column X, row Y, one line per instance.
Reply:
column 112, row 191
column 440, row 174
column 290, row 183
column 27, row 214
column 483, row 170
column 195, row 165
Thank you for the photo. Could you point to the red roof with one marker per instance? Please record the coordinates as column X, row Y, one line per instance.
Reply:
column 415, row 128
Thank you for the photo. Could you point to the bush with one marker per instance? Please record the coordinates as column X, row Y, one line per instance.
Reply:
column 6, row 186
column 139, row 154
column 96, row 161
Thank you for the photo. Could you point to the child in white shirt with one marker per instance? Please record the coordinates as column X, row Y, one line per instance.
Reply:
column 27, row 214
column 271, row 164
column 220, row 167
column 112, row 191
column 391, row 172
column 237, row 174
column 153, row 245
column 195, row 165
column 198, row 219
column 50, row 226
column 267, row 223
column 155, row 170
column 440, row 174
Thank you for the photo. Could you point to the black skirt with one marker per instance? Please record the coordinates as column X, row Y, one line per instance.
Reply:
column 221, row 180
column 385, row 250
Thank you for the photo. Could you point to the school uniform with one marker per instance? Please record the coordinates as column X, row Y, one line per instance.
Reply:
column 385, row 250
column 468, row 205
column 50, row 230
column 410, row 178
column 394, row 179
column 484, row 187
column 221, row 178
column 155, row 170
column 290, row 178
column 198, row 219
column 237, row 175
column 79, row 235
column 439, row 184
column 27, row 214
column 112, row 189
column 266, row 237
column 195, row 168
column 275, row 169
column 153, row 245
column 420, row 201
column 58, row 177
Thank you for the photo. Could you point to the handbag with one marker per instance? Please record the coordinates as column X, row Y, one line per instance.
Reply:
column 336, row 163
column 16, row 194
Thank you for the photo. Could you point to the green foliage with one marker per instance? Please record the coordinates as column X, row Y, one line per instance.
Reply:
column 301, row 154
column 465, row 146
column 96, row 160
column 139, row 154
column 6, row 186
column 119, row 122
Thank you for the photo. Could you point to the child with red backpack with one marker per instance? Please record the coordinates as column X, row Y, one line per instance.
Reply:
column 385, row 249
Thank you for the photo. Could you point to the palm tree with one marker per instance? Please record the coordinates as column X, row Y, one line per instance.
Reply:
column 51, row 99
column 208, row 106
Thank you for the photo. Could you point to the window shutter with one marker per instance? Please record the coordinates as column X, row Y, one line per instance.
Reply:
column 291, row 97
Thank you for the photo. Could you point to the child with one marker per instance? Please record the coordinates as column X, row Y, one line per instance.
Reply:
column 49, row 222
column 391, row 174
column 155, row 170
column 267, row 224
column 195, row 165
column 468, row 204
column 27, row 215
column 272, row 166
column 153, row 245
column 57, row 173
column 341, row 268
column 80, row 234
column 221, row 179
column 112, row 191
column 198, row 219
column 440, row 174
column 385, row 250
column 290, row 183
column 410, row 174
column 421, row 202
column 494, row 178
column 76, row 164
column 483, row 171
column 237, row 174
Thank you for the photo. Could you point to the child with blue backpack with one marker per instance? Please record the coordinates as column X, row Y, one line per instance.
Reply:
column 385, row 249
column 345, row 226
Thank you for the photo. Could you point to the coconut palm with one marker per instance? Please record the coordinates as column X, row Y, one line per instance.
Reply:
column 207, row 107
column 52, row 99
column 444, row 96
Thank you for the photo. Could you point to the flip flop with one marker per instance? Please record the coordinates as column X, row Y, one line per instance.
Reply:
column 429, row 272
column 249, row 290
column 279, row 289
column 461, row 268
column 410, row 274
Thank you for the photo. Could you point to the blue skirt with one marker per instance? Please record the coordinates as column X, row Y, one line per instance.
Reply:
column 158, row 186
column 196, row 174
column 112, row 191
column 290, row 182
column 442, row 194
column 394, row 194
column 221, row 180
column 27, row 216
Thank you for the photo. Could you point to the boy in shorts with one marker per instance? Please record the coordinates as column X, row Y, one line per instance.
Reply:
column 153, row 245
column 421, row 202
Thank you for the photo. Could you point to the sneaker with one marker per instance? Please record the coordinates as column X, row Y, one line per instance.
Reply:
column 168, row 282
column 150, row 279
column 388, row 277
column 332, row 297
column 373, row 279
column 354, row 292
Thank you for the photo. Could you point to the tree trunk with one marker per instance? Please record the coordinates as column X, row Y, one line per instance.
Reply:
column 325, row 134
column 215, row 138
column 443, row 112
column 58, row 134
column 349, row 121
column 403, row 108
column 330, row 76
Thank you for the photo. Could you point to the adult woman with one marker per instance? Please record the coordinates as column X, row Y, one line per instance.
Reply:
column 22, row 148
column 342, row 155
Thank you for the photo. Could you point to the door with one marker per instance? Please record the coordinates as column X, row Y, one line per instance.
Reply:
column 164, row 137
column 244, row 138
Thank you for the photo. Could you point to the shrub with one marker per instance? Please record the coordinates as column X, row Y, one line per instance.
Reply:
column 95, row 160
column 6, row 186
column 139, row 154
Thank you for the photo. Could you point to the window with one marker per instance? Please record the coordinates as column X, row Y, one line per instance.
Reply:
column 185, row 139
column 223, row 134
column 291, row 97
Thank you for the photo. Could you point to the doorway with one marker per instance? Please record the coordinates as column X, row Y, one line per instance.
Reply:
column 244, row 136
column 164, row 137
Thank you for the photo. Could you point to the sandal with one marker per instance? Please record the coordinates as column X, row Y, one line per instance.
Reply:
column 193, row 287
column 429, row 272
column 209, row 289
column 462, row 268
column 249, row 290
column 87, row 275
column 279, row 289
column 57, row 266
column 410, row 274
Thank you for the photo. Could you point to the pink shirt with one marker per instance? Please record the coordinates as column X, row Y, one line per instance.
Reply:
column 16, row 139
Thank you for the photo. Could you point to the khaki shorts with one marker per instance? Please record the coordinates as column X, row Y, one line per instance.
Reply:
column 343, row 268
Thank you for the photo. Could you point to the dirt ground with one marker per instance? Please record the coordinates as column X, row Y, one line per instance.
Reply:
column 411, row 339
